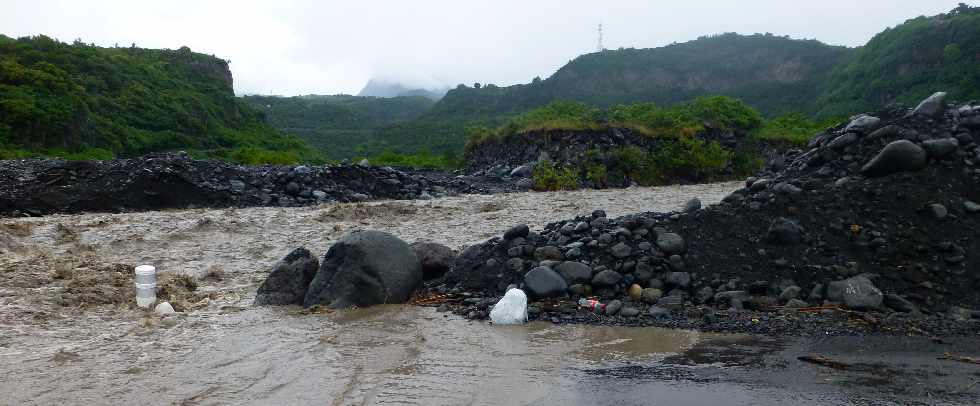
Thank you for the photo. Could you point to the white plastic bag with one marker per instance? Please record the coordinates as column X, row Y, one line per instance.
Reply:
column 511, row 309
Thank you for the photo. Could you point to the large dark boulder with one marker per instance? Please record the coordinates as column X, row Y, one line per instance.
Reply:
column 542, row 282
column 436, row 259
column 482, row 267
column 575, row 272
column 365, row 268
column 783, row 231
column 290, row 278
column 898, row 156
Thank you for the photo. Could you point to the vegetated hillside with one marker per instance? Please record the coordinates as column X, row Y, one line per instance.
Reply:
column 773, row 74
column 908, row 62
column 339, row 126
column 383, row 88
column 705, row 139
column 83, row 101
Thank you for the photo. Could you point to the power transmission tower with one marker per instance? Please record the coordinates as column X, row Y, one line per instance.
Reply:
column 599, row 47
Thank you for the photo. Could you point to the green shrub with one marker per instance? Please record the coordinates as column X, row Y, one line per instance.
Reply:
column 550, row 177
column 678, row 121
column 795, row 128
column 598, row 174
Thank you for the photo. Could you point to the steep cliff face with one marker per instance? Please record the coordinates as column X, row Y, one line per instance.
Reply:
column 63, row 99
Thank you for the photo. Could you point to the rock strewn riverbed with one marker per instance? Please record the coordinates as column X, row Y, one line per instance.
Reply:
column 169, row 181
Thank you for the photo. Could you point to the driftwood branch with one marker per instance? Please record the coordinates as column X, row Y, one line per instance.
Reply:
column 822, row 360
column 960, row 358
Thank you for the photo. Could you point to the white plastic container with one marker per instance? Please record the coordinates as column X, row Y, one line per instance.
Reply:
column 511, row 309
column 146, row 286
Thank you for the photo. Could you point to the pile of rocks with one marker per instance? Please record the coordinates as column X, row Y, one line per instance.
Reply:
column 877, row 215
column 515, row 157
column 44, row 186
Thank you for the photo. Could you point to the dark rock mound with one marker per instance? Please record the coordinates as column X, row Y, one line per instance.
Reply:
column 289, row 280
column 161, row 181
column 365, row 268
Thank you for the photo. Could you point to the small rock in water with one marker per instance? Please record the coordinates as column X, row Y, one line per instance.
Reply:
column 692, row 205
column 289, row 279
column 164, row 309
column 518, row 231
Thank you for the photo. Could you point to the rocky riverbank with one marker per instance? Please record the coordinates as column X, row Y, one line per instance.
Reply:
column 600, row 157
column 166, row 181
column 873, row 228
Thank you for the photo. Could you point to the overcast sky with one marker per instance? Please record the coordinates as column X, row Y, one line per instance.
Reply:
column 327, row 47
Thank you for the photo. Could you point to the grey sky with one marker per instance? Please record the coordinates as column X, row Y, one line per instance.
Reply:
column 327, row 47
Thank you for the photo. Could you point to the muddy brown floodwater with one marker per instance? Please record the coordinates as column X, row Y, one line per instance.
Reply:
column 69, row 333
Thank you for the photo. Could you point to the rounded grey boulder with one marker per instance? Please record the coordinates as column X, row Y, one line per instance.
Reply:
column 365, row 268
column 863, row 123
column 542, row 282
column 857, row 293
column 574, row 272
column 518, row 231
column 671, row 243
column 933, row 105
column 783, row 231
column 607, row 278
column 436, row 259
column 290, row 278
column 897, row 156
column 692, row 205
column 941, row 147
